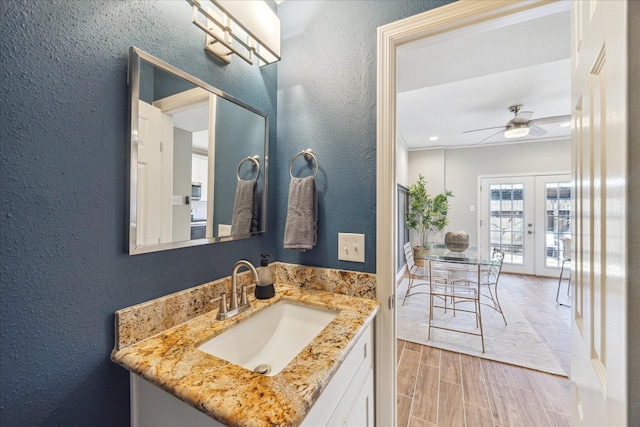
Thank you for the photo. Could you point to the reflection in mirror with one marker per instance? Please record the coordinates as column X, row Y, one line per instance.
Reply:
column 198, row 161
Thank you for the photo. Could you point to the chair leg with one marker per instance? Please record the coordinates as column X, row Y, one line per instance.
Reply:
column 560, row 283
column 496, row 301
column 430, row 316
column 479, row 321
column 406, row 294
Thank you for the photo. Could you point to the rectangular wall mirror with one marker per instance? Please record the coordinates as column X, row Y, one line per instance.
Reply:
column 198, row 160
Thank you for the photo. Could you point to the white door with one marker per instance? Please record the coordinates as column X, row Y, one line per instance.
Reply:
column 553, row 218
column 149, row 197
column 525, row 217
column 507, row 221
column 599, row 332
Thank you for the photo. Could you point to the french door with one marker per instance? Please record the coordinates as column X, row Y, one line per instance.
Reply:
column 525, row 217
column 553, row 214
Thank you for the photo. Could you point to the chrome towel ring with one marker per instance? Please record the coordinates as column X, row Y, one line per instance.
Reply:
column 308, row 156
column 256, row 165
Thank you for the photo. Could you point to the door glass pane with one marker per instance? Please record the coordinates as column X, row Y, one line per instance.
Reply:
column 557, row 220
column 507, row 221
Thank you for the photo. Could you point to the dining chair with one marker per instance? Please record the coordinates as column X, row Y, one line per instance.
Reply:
column 415, row 272
column 489, row 277
column 566, row 257
column 461, row 290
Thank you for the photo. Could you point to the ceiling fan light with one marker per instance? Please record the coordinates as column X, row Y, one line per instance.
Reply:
column 516, row 132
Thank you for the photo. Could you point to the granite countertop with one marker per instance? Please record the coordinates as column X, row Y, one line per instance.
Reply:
column 237, row 396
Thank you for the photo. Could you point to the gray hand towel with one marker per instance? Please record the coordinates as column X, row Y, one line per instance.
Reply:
column 301, row 229
column 245, row 212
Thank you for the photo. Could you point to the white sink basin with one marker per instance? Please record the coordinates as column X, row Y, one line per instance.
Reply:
column 268, row 341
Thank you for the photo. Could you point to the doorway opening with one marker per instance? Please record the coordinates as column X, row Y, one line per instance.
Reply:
column 387, row 153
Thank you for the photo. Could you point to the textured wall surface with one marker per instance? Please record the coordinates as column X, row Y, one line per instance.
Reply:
column 327, row 102
column 64, row 147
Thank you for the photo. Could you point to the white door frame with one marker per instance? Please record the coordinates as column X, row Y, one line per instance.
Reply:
column 454, row 16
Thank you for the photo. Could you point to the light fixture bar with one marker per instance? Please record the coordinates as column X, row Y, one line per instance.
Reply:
column 259, row 21
column 219, row 39
column 253, row 17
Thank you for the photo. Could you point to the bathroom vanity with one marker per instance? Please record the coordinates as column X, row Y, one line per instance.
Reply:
column 330, row 382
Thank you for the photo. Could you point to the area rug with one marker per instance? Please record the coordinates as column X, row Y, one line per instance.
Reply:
column 516, row 343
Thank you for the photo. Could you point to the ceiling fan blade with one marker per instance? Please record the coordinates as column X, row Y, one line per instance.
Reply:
column 489, row 137
column 478, row 130
column 522, row 117
column 549, row 120
column 536, row 131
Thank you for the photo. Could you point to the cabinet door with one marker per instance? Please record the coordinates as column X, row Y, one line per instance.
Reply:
column 356, row 406
column 198, row 232
column 153, row 407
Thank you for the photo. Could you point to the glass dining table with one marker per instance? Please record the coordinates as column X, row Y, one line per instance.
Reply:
column 439, row 253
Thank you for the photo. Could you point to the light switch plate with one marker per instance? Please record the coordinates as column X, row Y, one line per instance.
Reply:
column 351, row 247
column 176, row 200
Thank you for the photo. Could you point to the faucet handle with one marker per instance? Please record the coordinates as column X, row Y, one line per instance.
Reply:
column 222, row 309
column 243, row 297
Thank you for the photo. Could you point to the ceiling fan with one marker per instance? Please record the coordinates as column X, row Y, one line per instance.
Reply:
column 521, row 124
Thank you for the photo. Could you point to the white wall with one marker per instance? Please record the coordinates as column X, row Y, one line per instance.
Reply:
column 431, row 164
column 402, row 163
column 458, row 170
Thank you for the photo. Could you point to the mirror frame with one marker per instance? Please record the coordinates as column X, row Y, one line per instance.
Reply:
column 133, row 80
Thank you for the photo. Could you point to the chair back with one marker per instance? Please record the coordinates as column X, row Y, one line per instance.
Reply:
column 408, row 256
column 566, row 248
column 497, row 258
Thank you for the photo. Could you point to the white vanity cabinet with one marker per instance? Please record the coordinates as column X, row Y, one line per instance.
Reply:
column 151, row 406
column 348, row 399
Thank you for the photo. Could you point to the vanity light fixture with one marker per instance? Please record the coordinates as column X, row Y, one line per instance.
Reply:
column 516, row 131
column 246, row 28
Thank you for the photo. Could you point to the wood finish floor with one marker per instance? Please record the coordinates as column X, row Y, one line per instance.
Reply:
column 442, row 388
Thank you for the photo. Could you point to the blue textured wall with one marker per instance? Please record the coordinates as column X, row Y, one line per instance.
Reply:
column 63, row 259
column 327, row 102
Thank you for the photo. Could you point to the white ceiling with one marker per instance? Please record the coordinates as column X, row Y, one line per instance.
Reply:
column 467, row 80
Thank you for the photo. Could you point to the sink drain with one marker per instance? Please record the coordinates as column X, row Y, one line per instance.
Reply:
column 262, row 369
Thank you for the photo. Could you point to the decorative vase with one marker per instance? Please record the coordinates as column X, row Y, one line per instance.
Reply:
column 456, row 241
column 419, row 252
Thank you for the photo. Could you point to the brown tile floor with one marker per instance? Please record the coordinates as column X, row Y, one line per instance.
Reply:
column 441, row 388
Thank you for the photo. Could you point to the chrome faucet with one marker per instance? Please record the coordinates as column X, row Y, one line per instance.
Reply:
column 234, row 307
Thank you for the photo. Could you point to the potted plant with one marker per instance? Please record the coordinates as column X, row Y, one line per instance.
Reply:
column 426, row 213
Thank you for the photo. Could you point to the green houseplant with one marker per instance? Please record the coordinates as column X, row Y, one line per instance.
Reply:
column 426, row 213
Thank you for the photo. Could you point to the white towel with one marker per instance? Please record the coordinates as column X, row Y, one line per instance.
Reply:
column 245, row 208
column 301, row 228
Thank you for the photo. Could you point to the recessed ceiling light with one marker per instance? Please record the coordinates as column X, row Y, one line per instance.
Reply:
column 433, row 138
